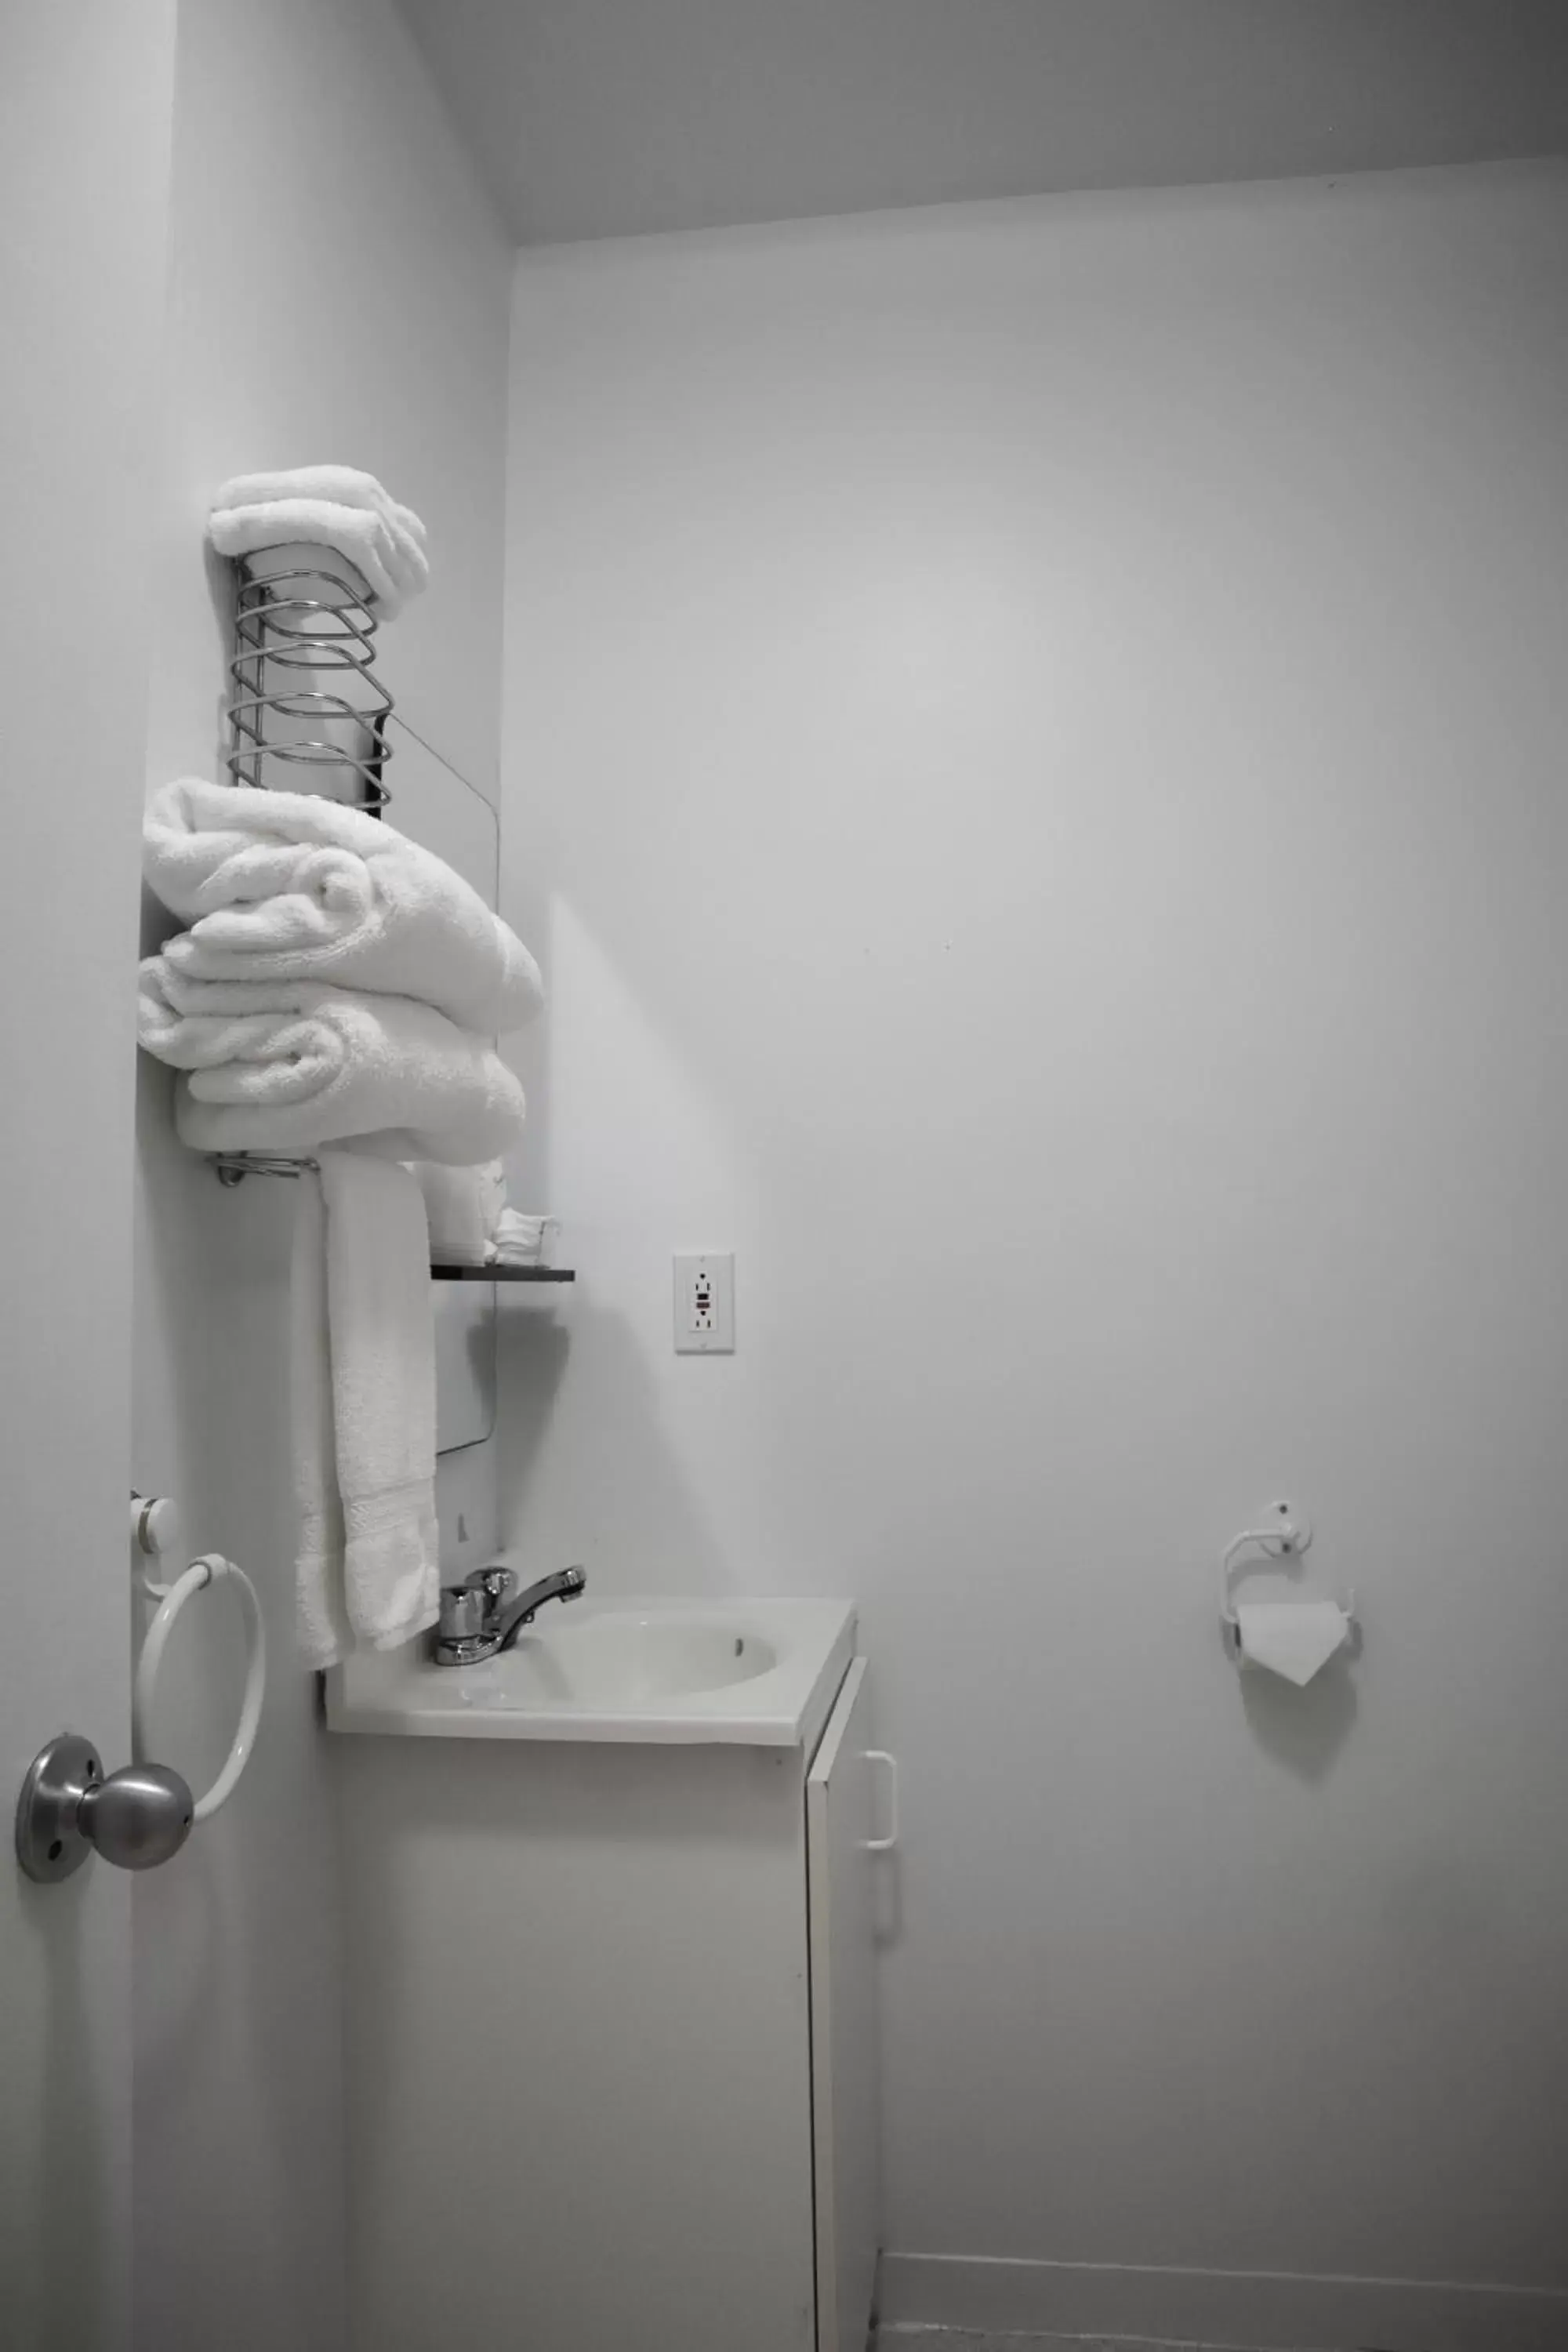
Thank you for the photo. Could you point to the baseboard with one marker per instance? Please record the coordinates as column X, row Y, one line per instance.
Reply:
column 911, row 2336
column 1272, row 2311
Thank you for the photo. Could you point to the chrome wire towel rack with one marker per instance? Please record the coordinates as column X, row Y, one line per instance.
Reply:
column 306, row 709
column 232, row 1168
column 305, row 695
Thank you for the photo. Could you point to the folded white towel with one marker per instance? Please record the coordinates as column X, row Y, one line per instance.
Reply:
column 364, row 1397
column 289, row 885
column 392, row 567
column 329, row 506
column 285, row 1066
column 343, row 486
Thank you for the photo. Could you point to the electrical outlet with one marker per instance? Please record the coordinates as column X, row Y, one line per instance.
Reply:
column 705, row 1303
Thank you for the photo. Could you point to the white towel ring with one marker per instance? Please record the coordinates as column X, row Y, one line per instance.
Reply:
column 200, row 1573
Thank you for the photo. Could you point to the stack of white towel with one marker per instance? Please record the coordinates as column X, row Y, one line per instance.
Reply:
column 336, row 982
column 333, row 996
column 327, row 506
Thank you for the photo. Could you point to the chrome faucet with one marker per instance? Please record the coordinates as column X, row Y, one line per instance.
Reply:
column 484, row 1614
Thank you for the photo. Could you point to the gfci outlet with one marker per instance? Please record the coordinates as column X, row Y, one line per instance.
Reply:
column 705, row 1303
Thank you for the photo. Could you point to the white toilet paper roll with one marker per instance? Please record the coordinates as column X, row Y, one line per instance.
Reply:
column 1292, row 1638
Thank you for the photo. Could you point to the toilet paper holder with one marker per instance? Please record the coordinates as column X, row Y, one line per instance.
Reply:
column 1283, row 1534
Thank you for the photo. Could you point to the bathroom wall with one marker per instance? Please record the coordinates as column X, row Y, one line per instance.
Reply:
column 338, row 289
column 1033, row 751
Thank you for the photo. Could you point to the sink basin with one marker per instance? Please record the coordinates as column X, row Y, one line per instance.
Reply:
column 760, row 1673
column 619, row 1660
column 622, row 1659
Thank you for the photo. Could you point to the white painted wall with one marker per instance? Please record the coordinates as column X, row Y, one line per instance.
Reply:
column 1034, row 754
column 86, row 95
column 338, row 290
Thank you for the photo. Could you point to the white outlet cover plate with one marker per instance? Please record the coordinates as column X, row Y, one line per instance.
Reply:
column 705, row 1303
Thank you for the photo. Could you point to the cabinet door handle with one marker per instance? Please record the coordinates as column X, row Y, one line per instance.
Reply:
column 886, row 1844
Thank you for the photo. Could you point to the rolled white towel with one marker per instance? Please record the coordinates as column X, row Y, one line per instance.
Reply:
column 393, row 567
column 287, row 1065
column 327, row 506
column 290, row 885
column 343, row 486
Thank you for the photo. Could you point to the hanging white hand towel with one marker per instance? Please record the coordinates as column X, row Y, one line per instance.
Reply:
column 290, row 886
column 285, row 1065
column 363, row 1399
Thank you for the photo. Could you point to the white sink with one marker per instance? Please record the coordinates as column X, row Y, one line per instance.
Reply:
column 759, row 1672
column 615, row 1661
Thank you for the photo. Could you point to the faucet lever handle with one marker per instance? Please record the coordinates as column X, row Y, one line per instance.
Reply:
column 463, row 1610
column 470, row 1610
column 493, row 1585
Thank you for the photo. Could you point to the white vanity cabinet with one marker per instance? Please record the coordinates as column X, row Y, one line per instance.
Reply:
column 611, row 2036
column 844, row 2072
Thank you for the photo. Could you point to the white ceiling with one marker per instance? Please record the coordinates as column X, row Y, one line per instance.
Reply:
column 616, row 117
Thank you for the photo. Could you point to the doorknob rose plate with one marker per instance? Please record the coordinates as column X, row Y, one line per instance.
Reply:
column 50, row 1843
column 67, row 1810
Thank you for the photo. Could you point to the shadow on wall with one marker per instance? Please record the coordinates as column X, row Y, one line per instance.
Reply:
column 627, row 1441
column 1302, row 1729
column 533, row 1349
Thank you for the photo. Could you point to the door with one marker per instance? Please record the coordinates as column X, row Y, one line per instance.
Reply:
column 844, row 2046
column 85, row 103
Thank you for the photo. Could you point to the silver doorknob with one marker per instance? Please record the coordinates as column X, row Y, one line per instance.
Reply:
column 135, row 1817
